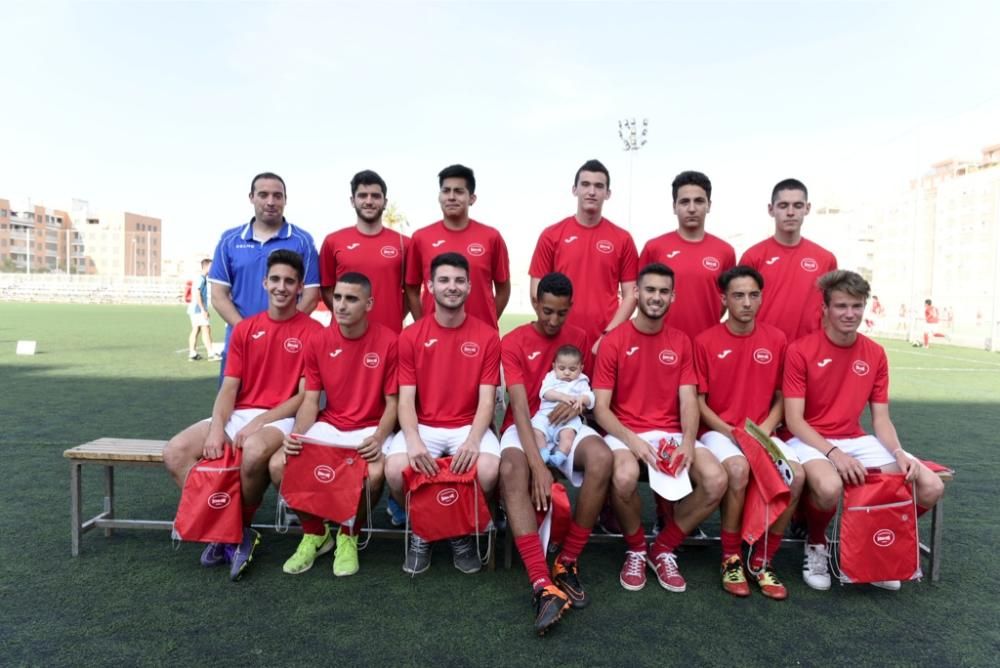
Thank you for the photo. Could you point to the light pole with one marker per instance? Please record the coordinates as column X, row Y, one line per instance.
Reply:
column 634, row 139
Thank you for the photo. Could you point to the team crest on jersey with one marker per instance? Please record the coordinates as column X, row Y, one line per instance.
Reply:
column 668, row 357
column 710, row 263
column 219, row 500
column 389, row 252
column 372, row 360
column 476, row 249
column 447, row 497
column 470, row 348
column 762, row 356
column 324, row 474
column 605, row 246
column 860, row 367
column 809, row 264
column 293, row 345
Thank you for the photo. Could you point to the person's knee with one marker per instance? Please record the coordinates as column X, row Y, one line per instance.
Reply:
column 714, row 482
column 798, row 483
column 930, row 491
column 513, row 472
column 625, row 476
column 737, row 471
column 826, row 489
column 180, row 454
column 598, row 461
column 394, row 466
column 487, row 472
column 276, row 467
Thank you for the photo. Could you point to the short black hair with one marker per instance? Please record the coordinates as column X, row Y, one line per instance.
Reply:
column 570, row 351
column 205, row 261
column 289, row 257
column 555, row 284
column 592, row 165
column 739, row 271
column 356, row 278
column 450, row 260
column 458, row 172
column 267, row 175
column 367, row 177
column 657, row 269
column 691, row 178
column 788, row 184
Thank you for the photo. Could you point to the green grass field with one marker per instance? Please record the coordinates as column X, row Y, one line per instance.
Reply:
column 136, row 599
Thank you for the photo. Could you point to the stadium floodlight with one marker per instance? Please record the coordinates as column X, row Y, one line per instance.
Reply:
column 634, row 137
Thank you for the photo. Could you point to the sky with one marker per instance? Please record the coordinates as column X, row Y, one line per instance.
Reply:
column 168, row 108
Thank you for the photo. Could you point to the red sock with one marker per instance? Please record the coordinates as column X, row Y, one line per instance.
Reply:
column 817, row 520
column 760, row 556
column 636, row 542
column 669, row 539
column 731, row 543
column 530, row 548
column 575, row 541
column 353, row 530
column 248, row 513
column 311, row 524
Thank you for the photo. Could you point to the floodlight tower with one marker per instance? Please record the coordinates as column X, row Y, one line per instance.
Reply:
column 634, row 138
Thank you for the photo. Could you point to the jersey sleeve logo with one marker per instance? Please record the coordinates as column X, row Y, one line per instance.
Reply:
column 762, row 356
column 724, row 353
column 324, row 474
column 353, row 246
column 711, row 263
column 476, row 249
column 257, row 335
column 336, row 352
column 437, row 243
column 372, row 360
column 469, row 348
column 672, row 254
column 631, row 351
column 809, row 264
column 860, row 367
column 826, row 360
column 668, row 357
column 389, row 252
column 605, row 246
column 293, row 345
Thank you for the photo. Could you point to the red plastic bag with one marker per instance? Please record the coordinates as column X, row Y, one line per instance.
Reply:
column 449, row 505
column 878, row 530
column 326, row 481
column 553, row 524
column 767, row 494
column 211, row 507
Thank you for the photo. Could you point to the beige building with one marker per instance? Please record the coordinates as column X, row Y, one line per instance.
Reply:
column 119, row 244
column 38, row 239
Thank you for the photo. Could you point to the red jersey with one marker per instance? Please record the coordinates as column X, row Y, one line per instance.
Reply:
column 380, row 257
column 931, row 314
column 447, row 365
column 644, row 373
column 527, row 356
column 697, row 266
column 739, row 374
column 596, row 259
column 356, row 374
column 836, row 382
column 268, row 357
column 481, row 245
column 792, row 301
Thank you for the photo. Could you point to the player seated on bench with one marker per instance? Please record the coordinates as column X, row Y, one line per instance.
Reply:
column 354, row 362
column 830, row 375
column 739, row 377
column 260, row 393
column 449, row 370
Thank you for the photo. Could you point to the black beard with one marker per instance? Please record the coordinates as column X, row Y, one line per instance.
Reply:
column 365, row 218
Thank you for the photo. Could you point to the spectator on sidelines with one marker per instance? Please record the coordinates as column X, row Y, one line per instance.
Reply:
column 254, row 408
column 241, row 256
column 200, row 319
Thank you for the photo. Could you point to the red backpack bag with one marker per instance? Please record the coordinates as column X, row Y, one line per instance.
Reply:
column 326, row 481
column 211, row 507
column 447, row 505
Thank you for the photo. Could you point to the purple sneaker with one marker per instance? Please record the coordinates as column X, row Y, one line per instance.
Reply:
column 216, row 554
column 244, row 553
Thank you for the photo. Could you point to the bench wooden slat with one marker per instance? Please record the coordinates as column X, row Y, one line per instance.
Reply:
column 119, row 449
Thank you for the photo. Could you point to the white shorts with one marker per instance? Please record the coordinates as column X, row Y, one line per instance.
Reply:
column 866, row 449
column 723, row 448
column 551, row 431
column 242, row 417
column 651, row 437
column 199, row 319
column 510, row 439
column 324, row 431
column 442, row 441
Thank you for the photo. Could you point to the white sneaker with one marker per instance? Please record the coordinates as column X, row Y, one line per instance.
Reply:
column 888, row 585
column 815, row 567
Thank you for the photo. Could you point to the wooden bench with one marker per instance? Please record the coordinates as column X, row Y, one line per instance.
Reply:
column 110, row 453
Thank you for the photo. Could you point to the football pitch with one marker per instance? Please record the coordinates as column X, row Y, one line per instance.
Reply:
column 138, row 599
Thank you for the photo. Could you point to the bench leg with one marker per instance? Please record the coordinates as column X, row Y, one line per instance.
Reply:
column 937, row 529
column 109, row 495
column 75, row 512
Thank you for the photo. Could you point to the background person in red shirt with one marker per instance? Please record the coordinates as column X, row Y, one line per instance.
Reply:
column 527, row 352
column 931, row 320
column 354, row 362
column 739, row 366
column 646, row 390
column 697, row 257
column 260, row 393
column 829, row 378
column 449, row 370
column 790, row 264
column 481, row 245
column 598, row 257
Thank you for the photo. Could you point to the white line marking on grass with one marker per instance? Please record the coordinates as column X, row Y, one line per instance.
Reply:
column 941, row 368
column 934, row 355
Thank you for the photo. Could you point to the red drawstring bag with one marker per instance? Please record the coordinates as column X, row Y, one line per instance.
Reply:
column 878, row 530
column 553, row 524
column 326, row 481
column 767, row 494
column 449, row 505
column 211, row 508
